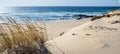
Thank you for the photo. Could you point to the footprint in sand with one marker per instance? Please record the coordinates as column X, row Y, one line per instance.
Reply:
column 114, row 21
column 102, row 44
column 99, row 28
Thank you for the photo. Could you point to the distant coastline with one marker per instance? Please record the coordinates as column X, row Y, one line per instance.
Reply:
column 52, row 13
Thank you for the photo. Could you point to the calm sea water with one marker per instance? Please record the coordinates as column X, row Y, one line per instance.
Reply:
column 52, row 13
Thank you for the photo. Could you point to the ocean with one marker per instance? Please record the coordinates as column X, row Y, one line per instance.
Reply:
column 52, row 13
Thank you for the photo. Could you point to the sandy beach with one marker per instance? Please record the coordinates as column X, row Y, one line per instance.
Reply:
column 56, row 28
column 59, row 27
column 100, row 36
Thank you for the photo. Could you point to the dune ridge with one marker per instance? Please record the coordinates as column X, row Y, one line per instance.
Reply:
column 100, row 36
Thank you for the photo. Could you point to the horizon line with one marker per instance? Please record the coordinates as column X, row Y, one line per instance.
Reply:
column 60, row 6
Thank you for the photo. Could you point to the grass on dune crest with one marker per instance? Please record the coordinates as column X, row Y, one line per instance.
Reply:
column 29, row 37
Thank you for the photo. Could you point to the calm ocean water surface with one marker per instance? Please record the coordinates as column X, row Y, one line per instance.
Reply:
column 52, row 13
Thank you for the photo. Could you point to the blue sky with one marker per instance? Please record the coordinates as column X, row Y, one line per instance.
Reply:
column 59, row 3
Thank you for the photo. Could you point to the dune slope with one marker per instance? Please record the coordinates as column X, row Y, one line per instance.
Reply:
column 101, row 36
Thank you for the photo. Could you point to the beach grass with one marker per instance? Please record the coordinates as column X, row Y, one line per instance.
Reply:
column 25, row 38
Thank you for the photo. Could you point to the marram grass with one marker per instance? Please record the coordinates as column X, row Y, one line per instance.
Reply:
column 27, row 38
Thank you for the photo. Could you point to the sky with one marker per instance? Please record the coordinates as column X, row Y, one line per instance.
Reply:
column 59, row 3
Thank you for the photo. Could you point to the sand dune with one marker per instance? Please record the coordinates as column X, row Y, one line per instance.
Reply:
column 101, row 36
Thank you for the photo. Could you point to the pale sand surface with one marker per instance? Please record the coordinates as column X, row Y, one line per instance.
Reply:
column 101, row 36
column 55, row 28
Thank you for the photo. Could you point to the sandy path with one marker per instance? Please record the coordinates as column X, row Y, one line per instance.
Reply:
column 57, row 27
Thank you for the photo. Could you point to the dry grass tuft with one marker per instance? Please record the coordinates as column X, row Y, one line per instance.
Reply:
column 96, row 17
column 24, row 38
